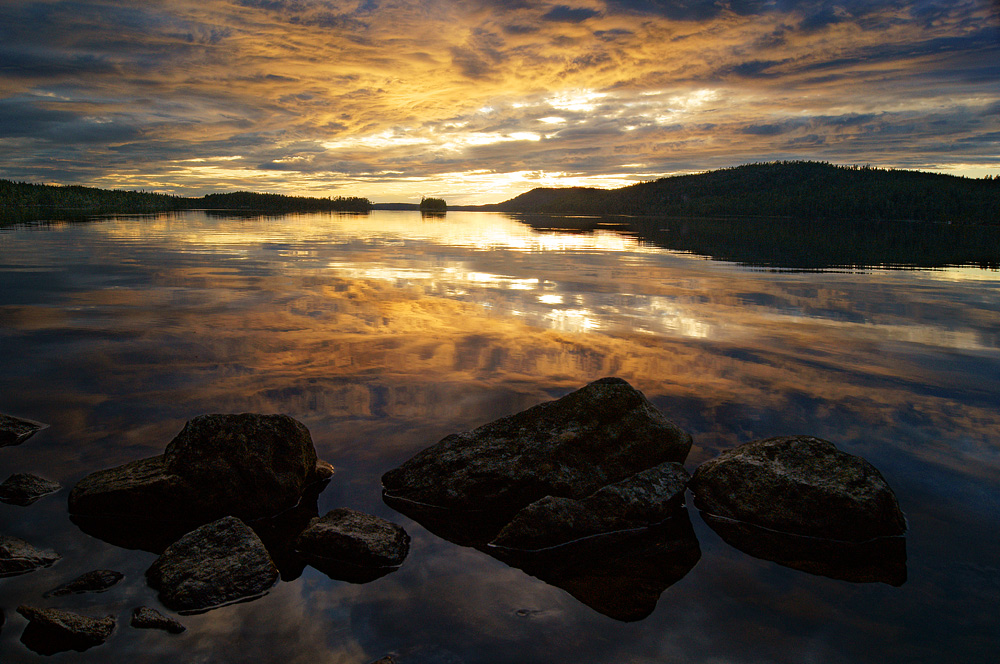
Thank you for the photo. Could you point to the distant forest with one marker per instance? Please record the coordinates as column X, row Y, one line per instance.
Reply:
column 795, row 189
column 23, row 199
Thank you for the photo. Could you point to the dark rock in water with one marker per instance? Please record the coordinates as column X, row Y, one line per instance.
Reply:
column 23, row 489
column 14, row 430
column 219, row 563
column 346, row 542
column 256, row 465
column 97, row 581
column 3, row 619
column 800, row 485
column 882, row 559
column 50, row 631
column 19, row 557
column 249, row 466
column 620, row 575
column 277, row 532
column 144, row 617
column 597, row 435
column 422, row 654
column 644, row 499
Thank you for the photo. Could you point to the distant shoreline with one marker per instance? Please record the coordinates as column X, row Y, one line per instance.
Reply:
column 797, row 189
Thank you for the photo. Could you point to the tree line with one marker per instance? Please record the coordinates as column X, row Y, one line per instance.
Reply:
column 22, row 198
column 799, row 189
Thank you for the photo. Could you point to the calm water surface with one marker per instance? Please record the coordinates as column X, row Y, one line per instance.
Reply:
column 383, row 333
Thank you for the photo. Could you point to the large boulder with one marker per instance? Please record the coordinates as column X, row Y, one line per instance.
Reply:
column 217, row 564
column 23, row 489
column 800, row 485
column 50, row 630
column 600, row 434
column 246, row 465
column 19, row 557
column 644, row 499
column 14, row 430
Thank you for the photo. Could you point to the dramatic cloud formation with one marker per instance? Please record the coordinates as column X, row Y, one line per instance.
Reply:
column 478, row 100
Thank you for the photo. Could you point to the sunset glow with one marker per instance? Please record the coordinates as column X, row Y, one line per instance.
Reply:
column 477, row 101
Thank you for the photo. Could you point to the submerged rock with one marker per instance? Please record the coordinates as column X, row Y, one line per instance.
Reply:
column 800, row 485
column 50, row 631
column 621, row 574
column 352, row 545
column 144, row 617
column 19, row 557
column 644, row 499
column 600, row 434
column 23, row 489
column 97, row 581
column 14, row 430
column 219, row 563
column 247, row 465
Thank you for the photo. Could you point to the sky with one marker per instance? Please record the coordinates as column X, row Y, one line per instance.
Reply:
column 477, row 101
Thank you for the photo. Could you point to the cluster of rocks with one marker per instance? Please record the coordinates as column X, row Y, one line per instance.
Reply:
column 231, row 498
column 50, row 631
column 568, row 487
column 586, row 492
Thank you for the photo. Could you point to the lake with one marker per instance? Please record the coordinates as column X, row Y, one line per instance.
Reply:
column 385, row 332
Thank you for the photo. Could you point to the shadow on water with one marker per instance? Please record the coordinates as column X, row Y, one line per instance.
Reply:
column 622, row 574
column 619, row 574
column 801, row 244
column 878, row 560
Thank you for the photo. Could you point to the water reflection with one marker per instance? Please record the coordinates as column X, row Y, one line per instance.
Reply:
column 879, row 560
column 384, row 333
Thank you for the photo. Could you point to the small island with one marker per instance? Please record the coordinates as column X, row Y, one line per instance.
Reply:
column 433, row 205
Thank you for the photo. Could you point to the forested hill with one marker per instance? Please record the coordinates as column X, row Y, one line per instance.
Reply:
column 24, row 199
column 801, row 189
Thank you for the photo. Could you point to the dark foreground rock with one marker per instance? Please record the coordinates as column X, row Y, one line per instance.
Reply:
column 353, row 546
column 248, row 465
column 144, row 617
column 643, row 499
column 219, row 563
column 799, row 485
column 19, row 557
column 882, row 559
column 96, row 581
column 595, row 436
column 14, row 430
column 23, row 489
column 50, row 631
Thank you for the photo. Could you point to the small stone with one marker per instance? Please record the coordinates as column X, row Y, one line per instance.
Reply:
column 19, row 557
column 217, row 564
column 14, row 430
column 50, row 630
column 97, row 581
column 354, row 537
column 144, row 617
column 23, row 489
